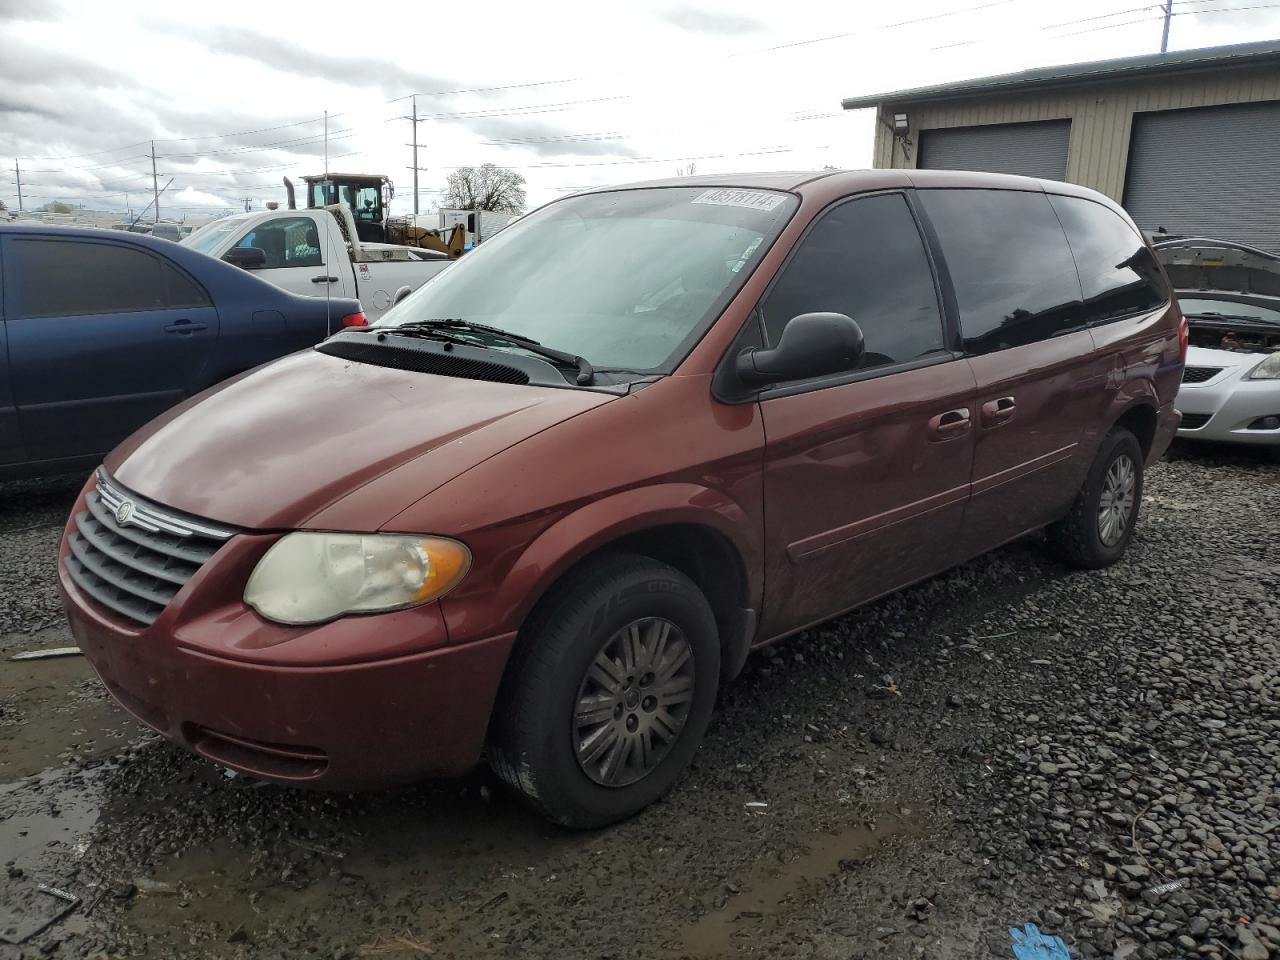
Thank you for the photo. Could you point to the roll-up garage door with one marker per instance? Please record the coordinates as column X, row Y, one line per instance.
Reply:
column 1208, row 172
column 1031, row 149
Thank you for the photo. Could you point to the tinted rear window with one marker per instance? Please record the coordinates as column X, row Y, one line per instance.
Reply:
column 1014, row 279
column 1118, row 272
column 63, row 278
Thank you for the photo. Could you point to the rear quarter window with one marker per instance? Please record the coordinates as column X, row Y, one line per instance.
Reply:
column 1119, row 275
column 1014, row 279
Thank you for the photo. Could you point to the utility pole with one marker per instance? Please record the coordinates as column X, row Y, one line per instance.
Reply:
column 155, row 183
column 1168, row 15
column 415, row 121
column 144, row 210
column 18, row 175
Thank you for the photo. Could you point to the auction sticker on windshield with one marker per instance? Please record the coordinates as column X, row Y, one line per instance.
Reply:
column 751, row 199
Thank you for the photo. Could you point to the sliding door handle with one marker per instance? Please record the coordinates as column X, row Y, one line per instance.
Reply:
column 949, row 425
column 996, row 412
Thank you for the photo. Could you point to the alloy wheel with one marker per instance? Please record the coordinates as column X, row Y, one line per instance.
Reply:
column 1115, row 505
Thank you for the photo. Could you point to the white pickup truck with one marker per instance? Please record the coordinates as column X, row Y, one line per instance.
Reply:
column 309, row 252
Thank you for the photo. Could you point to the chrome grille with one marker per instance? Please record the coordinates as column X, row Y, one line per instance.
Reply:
column 1199, row 374
column 132, row 556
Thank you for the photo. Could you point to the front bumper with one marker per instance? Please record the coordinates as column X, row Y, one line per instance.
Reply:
column 359, row 702
column 1230, row 402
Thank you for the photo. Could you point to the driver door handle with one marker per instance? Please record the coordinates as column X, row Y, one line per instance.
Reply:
column 996, row 412
column 324, row 279
column 949, row 425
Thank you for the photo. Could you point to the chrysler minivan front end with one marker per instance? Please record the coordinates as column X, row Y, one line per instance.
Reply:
column 238, row 644
column 261, row 575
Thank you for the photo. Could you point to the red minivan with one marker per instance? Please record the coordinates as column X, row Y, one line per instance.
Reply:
column 548, row 504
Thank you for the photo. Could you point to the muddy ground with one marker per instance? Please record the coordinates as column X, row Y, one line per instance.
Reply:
column 1010, row 743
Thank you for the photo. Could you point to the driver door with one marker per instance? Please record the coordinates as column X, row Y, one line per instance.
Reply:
column 297, row 260
column 866, row 474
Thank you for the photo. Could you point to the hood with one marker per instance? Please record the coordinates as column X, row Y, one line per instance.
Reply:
column 279, row 447
column 1202, row 266
column 1223, row 359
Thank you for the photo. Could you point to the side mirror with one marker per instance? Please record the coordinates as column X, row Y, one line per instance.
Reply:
column 401, row 294
column 812, row 345
column 247, row 258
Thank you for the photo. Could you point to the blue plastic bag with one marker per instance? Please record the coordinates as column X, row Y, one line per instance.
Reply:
column 1030, row 944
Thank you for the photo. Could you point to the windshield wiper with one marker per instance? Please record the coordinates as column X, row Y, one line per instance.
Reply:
column 1209, row 315
column 586, row 374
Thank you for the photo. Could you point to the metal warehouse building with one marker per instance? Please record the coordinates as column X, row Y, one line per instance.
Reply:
column 1187, row 141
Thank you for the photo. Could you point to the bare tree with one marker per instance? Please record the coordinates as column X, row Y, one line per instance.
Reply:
column 486, row 187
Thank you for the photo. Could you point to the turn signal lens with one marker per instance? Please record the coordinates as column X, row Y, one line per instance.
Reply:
column 355, row 320
column 313, row 577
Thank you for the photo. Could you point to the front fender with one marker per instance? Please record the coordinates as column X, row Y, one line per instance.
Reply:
column 501, row 599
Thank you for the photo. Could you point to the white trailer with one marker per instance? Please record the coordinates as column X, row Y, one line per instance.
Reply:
column 480, row 224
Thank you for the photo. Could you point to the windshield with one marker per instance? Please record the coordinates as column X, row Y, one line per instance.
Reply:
column 627, row 279
column 1228, row 308
column 210, row 235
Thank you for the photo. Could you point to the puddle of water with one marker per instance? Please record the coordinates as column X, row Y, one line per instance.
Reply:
column 434, row 845
column 52, row 711
column 762, row 905
column 47, row 819
column 46, row 826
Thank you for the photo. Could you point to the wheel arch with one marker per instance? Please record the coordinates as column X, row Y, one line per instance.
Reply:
column 1141, row 419
column 699, row 531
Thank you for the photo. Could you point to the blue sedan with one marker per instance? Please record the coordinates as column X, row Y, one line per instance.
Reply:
column 101, row 330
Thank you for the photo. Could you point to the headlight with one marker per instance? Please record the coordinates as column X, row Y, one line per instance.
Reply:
column 1268, row 369
column 312, row 577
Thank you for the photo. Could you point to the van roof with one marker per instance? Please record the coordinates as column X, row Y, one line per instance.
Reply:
column 850, row 181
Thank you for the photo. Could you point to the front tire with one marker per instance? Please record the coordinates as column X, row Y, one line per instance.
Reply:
column 609, row 692
column 1100, row 524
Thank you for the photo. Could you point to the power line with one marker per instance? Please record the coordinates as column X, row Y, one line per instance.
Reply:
column 299, row 141
column 643, row 160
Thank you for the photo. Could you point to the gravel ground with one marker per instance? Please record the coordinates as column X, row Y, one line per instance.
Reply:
column 1010, row 743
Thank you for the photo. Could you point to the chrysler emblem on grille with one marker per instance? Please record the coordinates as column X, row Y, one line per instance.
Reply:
column 124, row 511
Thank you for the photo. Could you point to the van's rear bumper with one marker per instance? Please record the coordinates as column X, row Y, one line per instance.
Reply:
column 340, row 726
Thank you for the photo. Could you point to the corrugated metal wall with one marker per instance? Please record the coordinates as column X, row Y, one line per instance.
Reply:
column 1183, row 188
column 1036, row 149
column 1101, row 116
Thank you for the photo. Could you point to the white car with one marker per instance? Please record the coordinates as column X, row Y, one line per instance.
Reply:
column 1230, row 295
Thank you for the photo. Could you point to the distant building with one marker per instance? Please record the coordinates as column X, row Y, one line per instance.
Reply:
column 1187, row 141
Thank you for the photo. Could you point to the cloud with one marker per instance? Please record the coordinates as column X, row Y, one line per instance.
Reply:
column 289, row 57
column 1232, row 19
column 29, row 10
column 718, row 22
column 44, row 68
column 10, row 104
column 189, row 197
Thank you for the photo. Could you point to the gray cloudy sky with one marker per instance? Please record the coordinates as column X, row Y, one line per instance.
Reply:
column 571, row 93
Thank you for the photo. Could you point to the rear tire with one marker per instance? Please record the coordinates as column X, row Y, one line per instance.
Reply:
column 1097, row 530
column 608, row 693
